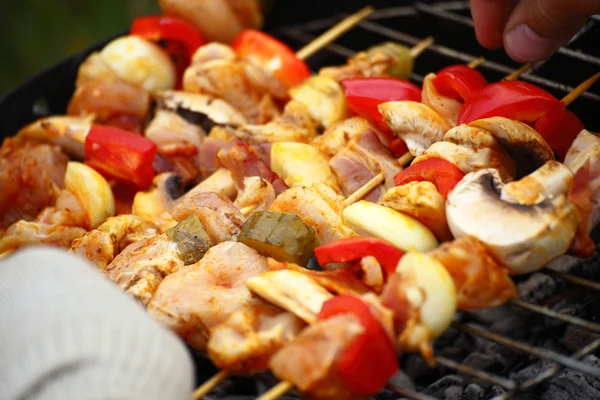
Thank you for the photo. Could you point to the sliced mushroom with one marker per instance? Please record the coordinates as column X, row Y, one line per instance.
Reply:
column 471, row 149
column 552, row 179
column 200, row 109
column 524, row 237
column 415, row 123
column 528, row 148
column 67, row 132
column 154, row 205
column 291, row 291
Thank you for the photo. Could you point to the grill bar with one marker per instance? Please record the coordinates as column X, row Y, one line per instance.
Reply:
column 591, row 326
column 465, row 369
column 573, row 279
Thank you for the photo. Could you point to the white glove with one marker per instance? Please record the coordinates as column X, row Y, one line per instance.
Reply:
column 66, row 332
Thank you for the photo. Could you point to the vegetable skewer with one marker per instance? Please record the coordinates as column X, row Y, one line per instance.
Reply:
column 317, row 44
column 407, row 157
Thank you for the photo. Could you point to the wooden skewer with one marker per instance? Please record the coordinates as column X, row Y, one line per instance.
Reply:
column 579, row 90
column 209, row 385
column 364, row 190
column 476, row 62
column 276, row 391
column 420, row 47
column 516, row 74
column 333, row 33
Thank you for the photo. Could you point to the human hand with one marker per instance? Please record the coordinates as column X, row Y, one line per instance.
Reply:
column 530, row 30
column 69, row 333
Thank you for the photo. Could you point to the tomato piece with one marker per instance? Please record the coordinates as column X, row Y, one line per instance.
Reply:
column 398, row 147
column 516, row 100
column 120, row 155
column 560, row 128
column 352, row 249
column 459, row 82
column 443, row 174
column 370, row 360
column 269, row 53
column 363, row 95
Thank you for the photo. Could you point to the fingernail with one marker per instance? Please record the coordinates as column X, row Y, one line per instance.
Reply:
column 524, row 45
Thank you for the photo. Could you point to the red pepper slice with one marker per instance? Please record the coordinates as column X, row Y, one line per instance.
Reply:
column 443, row 174
column 370, row 360
column 120, row 155
column 459, row 82
column 352, row 249
column 363, row 95
column 182, row 39
column 271, row 54
column 398, row 147
column 559, row 127
column 516, row 100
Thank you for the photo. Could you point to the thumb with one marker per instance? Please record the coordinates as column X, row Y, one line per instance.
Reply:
column 537, row 28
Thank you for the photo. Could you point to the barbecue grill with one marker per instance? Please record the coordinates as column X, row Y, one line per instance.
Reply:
column 540, row 345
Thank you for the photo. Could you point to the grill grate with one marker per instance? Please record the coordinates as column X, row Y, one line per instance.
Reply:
column 438, row 20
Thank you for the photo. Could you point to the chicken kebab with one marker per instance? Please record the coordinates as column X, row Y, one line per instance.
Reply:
column 271, row 155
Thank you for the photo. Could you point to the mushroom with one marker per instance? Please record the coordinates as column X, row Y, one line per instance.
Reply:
column 525, row 235
column 200, row 109
column 415, row 123
column 527, row 147
column 154, row 206
column 67, row 132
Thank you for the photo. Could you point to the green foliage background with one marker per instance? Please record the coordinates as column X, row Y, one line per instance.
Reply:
column 37, row 33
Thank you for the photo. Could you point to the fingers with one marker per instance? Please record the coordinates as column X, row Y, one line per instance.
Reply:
column 537, row 28
column 490, row 17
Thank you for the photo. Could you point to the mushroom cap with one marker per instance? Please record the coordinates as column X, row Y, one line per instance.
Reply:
column 200, row 109
column 522, row 237
column 527, row 147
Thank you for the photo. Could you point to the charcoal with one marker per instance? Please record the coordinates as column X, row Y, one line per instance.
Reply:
column 402, row 380
column 537, row 288
column 575, row 338
column 448, row 385
column 453, row 393
column 473, row 392
column 563, row 264
column 414, row 366
column 531, row 370
column 571, row 384
column 494, row 391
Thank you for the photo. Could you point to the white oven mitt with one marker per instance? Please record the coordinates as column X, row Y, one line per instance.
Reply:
column 67, row 332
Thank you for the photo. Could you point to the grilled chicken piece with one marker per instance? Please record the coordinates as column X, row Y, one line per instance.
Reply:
column 294, row 125
column 142, row 265
column 415, row 123
column 57, row 226
column 257, row 195
column 101, row 245
column 422, row 201
column 471, row 149
column 318, row 206
column 447, row 108
column 479, row 280
column 309, row 361
column 245, row 342
column 221, row 220
column 243, row 162
column 176, row 138
column 203, row 295
column 247, row 87
column 336, row 137
column 583, row 159
column 31, row 175
column 363, row 158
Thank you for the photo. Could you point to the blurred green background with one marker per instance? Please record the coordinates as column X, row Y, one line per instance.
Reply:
column 37, row 33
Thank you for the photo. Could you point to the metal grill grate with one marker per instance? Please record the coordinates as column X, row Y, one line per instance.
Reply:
column 451, row 25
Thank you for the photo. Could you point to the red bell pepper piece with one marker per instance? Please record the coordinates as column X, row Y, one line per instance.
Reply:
column 559, row 127
column 370, row 360
column 352, row 249
column 363, row 95
column 182, row 39
column 516, row 100
column 443, row 174
column 459, row 82
column 120, row 155
column 271, row 54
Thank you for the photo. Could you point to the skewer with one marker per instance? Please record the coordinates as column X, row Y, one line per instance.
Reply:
column 516, row 74
column 476, row 62
column 276, row 391
column 580, row 89
column 420, row 47
column 323, row 40
column 333, row 33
